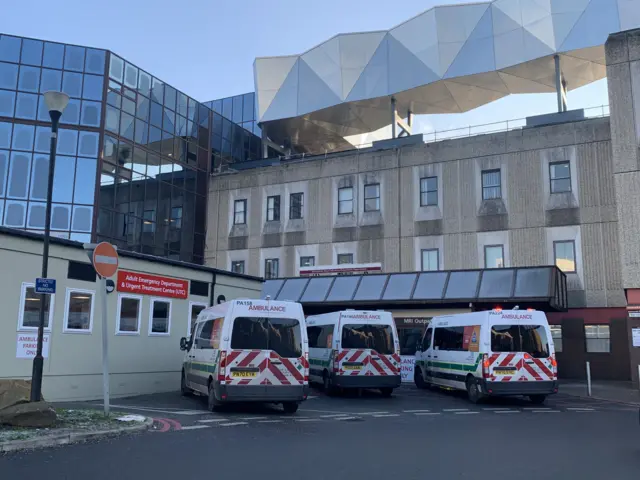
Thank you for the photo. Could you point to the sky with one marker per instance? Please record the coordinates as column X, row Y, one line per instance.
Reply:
column 206, row 48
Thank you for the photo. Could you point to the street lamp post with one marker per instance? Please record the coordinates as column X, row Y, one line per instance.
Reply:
column 56, row 103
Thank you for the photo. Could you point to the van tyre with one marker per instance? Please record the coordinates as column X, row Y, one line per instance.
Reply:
column 386, row 392
column 537, row 399
column 290, row 407
column 327, row 384
column 473, row 390
column 418, row 379
column 186, row 391
column 212, row 402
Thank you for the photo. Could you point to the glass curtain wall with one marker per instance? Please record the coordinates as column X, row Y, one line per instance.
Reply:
column 29, row 68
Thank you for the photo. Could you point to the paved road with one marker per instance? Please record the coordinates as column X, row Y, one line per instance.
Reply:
column 415, row 434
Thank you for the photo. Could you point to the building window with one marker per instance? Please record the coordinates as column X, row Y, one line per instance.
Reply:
column 556, row 335
column 493, row 256
column 345, row 258
column 430, row 260
column 372, row 197
column 491, row 184
column 273, row 208
column 148, row 221
column 160, row 317
column 296, row 202
column 176, row 218
column 307, row 262
column 597, row 338
column 345, row 200
column 240, row 212
column 564, row 255
column 271, row 268
column 428, row 191
column 560, row 177
column 194, row 310
column 129, row 310
column 78, row 311
column 237, row 266
column 30, row 312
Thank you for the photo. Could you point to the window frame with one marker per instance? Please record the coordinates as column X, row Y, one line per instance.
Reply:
column 23, row 299
column 485, row 256
column 377, row 198
column 191, row 305
column 307, row 256
column 243, row 266
column 140, row 299
column 152, row 302
column 427, row 250
column 151, row 226
column 176, row 221
column 265, row 268
column 344, row 255
column 427, row 191
column 65, row 324
column 553, row 328
column 274, row 211
column 291, row 196
column 555, row 256
column 243, row 202
column 486, row 187
column 586, row 339
column 551, row 179
column 350, row 212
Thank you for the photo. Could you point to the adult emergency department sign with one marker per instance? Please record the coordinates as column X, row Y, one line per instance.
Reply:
column 144, row 284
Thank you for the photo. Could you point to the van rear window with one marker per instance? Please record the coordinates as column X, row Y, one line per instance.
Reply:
column 374, row 337
column 531, row 339
column 282, row 335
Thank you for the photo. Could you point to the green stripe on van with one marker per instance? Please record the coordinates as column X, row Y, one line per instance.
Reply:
column 463, row 367
column 319, row 363
column 204, row 367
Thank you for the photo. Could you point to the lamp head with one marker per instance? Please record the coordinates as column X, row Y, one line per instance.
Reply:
column 56, row 101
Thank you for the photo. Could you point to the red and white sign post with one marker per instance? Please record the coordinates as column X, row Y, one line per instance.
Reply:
column 104, row 258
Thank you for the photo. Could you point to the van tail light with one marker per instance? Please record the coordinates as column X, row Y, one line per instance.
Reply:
column 485, row 366
column 554, row 366
column 336, row 363
column 306, row 367
column 223, row 366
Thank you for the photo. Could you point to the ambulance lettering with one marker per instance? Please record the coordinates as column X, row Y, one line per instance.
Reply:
column 267, row 308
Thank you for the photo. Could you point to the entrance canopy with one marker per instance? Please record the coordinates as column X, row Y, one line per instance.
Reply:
column 542, row 288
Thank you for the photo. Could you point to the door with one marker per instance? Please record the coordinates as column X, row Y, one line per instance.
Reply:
column 368, row 350
column 190, row 354
column 203, row 362
column 426, row 354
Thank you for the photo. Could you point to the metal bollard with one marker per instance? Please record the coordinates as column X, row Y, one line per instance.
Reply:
column 589, row 378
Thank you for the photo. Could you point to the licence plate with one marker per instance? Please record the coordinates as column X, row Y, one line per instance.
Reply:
column 352, row 367
column 504, row 372
column 244, row 374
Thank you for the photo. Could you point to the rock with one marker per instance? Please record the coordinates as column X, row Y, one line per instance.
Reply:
column 36, row 414
column 14, row 392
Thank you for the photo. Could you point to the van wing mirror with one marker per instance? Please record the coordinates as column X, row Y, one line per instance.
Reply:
column 183, row 343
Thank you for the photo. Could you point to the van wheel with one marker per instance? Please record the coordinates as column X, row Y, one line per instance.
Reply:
column 418, row 379
column 186, row 391
column 327, row 385
column 473, row 391
column 386, row 392
column 290, row 407
column 212, row 402
column 537, row 399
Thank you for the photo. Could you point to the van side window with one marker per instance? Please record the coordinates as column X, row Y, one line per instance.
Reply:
column 320, row 336
column 449, row 338
column 203, row 338
column 426, row 341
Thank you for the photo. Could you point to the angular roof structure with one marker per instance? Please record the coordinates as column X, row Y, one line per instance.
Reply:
column 448, row 59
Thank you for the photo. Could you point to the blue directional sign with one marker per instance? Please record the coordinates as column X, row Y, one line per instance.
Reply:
column 46, row 286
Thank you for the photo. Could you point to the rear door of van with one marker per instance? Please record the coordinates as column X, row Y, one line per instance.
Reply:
column 521, row 347
column 267, row 345
column 368, row 344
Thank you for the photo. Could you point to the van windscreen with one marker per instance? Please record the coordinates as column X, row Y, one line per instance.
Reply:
column 531, row 339
column 282, row 335
column 374, row 337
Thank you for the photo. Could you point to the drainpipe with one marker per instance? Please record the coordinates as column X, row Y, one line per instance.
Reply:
column 213, row 287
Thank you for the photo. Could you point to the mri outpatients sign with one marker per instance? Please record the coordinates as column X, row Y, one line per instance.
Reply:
column 144, row 284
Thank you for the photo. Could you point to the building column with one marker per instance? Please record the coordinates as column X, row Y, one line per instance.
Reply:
column 394, row 114
column 622, row 53
column 561, row 86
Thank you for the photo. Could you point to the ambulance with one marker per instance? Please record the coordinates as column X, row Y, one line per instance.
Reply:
column 489, row 353
column 248, row 351
column 354, row 349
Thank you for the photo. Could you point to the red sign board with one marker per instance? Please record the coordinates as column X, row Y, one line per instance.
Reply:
column 105, row 260
column 144, row 284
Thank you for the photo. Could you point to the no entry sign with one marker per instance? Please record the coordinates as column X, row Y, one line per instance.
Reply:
column 105, row 260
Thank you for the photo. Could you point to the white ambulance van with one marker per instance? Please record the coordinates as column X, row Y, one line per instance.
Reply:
column 354, row 349
column 490, row 353
column 248, row 351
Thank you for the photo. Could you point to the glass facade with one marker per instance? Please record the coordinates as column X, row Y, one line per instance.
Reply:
column 134, row 153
